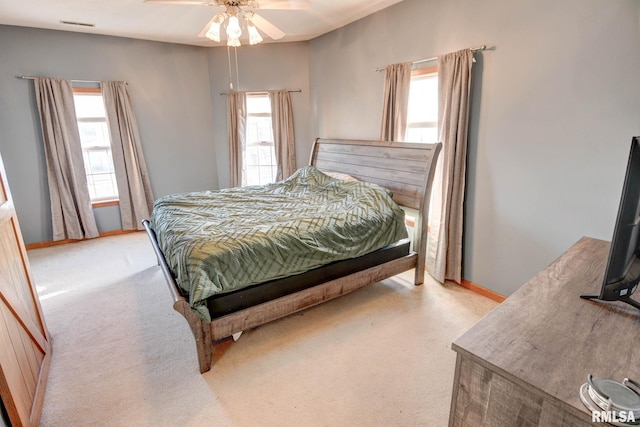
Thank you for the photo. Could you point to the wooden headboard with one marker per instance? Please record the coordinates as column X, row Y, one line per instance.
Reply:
column 404, row 168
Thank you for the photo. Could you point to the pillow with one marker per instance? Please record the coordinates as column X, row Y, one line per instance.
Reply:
column 342, row 176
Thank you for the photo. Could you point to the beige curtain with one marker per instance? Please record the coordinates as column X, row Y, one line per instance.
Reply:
column 397, row 78
column 134, row 187
column 71, row 213
column 444, row 248
column 283, row 136
column 236, row 123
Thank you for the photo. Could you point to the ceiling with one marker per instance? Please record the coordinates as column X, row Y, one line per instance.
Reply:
column 177, row 23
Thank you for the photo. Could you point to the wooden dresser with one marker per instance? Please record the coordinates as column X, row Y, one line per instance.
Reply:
column 524, row 363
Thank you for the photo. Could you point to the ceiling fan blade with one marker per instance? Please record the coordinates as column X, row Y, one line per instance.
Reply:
column 205, row 28
column 267, row 27
column 284, row 4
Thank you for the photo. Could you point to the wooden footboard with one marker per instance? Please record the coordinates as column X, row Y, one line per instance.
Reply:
column 201, row 332
column 200, row 329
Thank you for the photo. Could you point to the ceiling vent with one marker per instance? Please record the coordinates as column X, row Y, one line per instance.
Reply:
column 78, row 24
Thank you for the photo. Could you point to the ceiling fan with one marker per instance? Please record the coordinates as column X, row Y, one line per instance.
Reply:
column 237, row 11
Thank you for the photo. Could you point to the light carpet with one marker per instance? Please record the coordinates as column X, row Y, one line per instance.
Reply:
column 122, row 356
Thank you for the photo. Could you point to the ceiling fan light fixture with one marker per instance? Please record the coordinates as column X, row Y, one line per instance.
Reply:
column 236, row 9
column 233, row 42
column 214, row 32
column 233, row 28
column 254, row 36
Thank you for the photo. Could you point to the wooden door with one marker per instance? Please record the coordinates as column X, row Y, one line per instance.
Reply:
column 25, row 348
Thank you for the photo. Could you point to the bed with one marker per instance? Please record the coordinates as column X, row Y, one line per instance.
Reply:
column 319, row 267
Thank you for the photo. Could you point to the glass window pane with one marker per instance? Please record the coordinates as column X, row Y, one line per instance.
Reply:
column 265, row 130
column 259, row 153
column 428, row 135
column 259, row 129
column 100, row 161
column 96, row 146
column 264, row 154
column 422, row 113
column 267, row 174
column 252, row 175
column 251, row 155
column 423, row 100
column 258, row 103
column 89, row 105
column 94, row 134
column 104, row 185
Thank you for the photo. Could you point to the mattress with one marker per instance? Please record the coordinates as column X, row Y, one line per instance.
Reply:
column 217, row 242
column 231, row 302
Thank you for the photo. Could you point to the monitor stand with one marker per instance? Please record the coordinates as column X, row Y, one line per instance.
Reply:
column 624, row 299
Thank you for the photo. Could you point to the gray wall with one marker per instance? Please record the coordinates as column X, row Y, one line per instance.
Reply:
column 169, row 89
column 555, row 104
column 262, row 67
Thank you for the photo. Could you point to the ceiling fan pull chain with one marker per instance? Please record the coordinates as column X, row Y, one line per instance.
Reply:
column 229, row 62
column 235, row 51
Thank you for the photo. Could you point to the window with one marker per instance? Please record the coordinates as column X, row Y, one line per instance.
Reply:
column 422, row 115
column 96, row 144
column 259, row 157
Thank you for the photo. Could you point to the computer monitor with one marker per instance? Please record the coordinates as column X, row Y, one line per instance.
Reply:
column 622, row 273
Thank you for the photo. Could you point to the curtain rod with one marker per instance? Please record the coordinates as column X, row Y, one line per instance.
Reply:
column 73, row 80
column 262, row 91
column 419, row 61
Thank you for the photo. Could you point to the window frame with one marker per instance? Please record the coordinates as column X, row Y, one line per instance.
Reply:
column 271, row 143
column 97, row 203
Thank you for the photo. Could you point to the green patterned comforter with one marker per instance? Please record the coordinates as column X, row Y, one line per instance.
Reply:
column 220, row 241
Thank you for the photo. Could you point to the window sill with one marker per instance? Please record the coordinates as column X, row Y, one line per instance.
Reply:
column 105, row 203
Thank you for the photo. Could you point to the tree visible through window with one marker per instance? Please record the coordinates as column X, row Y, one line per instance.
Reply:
column 96, row 144
column 259, row 159
column 422, row 114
